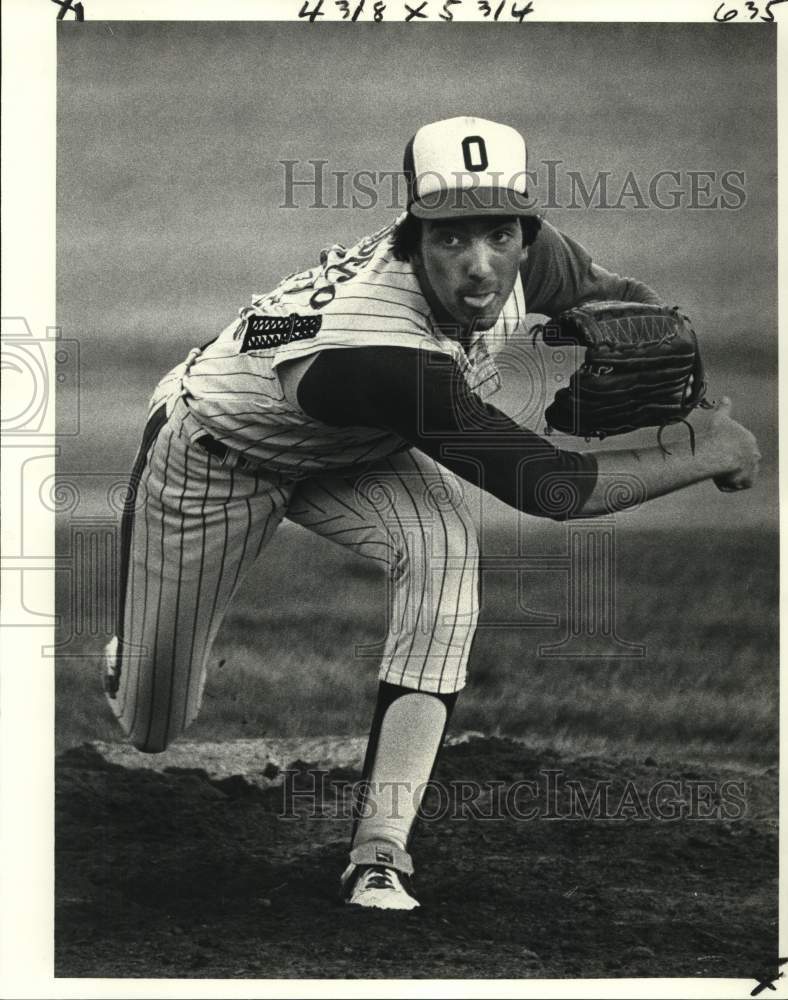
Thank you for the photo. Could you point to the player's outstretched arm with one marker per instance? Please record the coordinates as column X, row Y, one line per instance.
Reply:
column 423, row 397
column 723, row 451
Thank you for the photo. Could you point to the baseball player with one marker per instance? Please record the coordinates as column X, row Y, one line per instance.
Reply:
column 352, row 399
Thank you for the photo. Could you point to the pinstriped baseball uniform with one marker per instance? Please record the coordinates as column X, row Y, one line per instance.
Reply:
column 360, row 297
column 199, row 521
column 226, row 456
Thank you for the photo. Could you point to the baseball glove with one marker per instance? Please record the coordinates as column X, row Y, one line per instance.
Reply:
column 642, row 368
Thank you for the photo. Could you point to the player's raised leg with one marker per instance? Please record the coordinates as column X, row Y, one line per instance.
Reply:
column 408, row 513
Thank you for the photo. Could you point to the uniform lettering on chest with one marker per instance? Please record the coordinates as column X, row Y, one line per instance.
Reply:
column 273, row 331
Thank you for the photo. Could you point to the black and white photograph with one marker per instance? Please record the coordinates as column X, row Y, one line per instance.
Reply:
column 406, row 429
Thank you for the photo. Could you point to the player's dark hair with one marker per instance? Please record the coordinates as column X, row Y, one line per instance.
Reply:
column 407, row 235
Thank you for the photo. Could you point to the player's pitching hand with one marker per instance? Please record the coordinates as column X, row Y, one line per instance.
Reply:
column 738, row 449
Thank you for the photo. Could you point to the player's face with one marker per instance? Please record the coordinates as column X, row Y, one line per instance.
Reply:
column 468, row 267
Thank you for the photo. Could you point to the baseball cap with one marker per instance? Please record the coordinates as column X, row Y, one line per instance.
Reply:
column 466, row 166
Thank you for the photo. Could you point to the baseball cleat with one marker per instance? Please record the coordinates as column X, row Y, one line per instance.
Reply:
column 111, row 669
column 380, row 888
column 378, row 876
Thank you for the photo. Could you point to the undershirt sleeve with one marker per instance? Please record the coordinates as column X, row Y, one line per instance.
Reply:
column 423, row 397
column 559, row 274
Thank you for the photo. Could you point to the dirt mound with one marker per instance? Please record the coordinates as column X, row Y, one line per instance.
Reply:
column 226, row 863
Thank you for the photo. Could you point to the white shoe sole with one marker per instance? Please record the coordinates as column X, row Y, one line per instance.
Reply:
column 383, row 899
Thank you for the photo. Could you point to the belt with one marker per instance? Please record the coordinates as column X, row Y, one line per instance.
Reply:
column 186, row 425
column 228, row 456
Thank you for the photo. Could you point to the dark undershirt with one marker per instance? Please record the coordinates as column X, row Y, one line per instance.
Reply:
column 423, row 397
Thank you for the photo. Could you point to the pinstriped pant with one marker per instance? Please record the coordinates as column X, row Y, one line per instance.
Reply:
column 197, row 526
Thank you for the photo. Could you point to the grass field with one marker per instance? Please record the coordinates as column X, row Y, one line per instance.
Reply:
column 704, row 606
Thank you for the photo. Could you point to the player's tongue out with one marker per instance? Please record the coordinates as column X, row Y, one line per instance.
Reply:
column 478, row 299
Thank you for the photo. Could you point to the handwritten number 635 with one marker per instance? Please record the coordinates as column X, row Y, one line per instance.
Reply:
column 753, row 9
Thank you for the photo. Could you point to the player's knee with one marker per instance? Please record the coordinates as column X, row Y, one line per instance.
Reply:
column 145, row 745
column 152, row 735
column 452, row 543
column 153, row 717
column 145, row 739
column 458, row 537
column 462, row 543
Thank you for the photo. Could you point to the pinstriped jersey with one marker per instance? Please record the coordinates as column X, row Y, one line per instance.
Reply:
column 357, row 297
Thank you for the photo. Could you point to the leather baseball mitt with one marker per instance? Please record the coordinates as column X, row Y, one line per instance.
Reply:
column 642, row 368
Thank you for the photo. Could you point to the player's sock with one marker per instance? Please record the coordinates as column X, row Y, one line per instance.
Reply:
column 407, row 732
